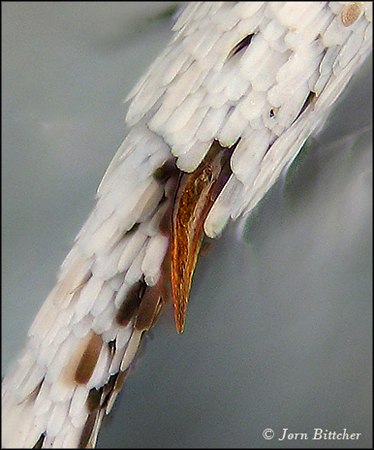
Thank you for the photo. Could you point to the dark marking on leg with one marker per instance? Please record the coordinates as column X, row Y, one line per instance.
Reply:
column 131, row 304
column 88, row 360
column 167, row 170
column 87, row 430
column 94, row 399
column 149, row 309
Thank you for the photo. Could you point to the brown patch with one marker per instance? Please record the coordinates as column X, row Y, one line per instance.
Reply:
column 87, row 430
column 94, row 399
column 107, row 389
column 131, row 304
column 88, row 361
column 163, row 173
column 113, row 388
column 149, row 309
column 205, row 247
column 121, row 376
column 165, row 222
column 350, row 13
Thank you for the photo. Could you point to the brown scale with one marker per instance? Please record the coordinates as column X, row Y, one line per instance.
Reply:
column 98, row 403
column 117, row 385
column 149, row 309
column 94, row 399
column 88, row 360
column 130, row 305
column 350, row 13
column 88, row 428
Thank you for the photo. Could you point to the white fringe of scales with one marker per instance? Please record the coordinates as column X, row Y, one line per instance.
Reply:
column 254, row 78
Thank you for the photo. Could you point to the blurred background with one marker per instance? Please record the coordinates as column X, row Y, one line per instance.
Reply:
column 279, row 329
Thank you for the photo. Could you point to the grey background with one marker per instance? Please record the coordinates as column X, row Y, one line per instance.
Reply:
column 279, row 328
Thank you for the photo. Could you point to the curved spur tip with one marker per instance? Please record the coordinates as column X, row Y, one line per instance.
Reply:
column 180, row 317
